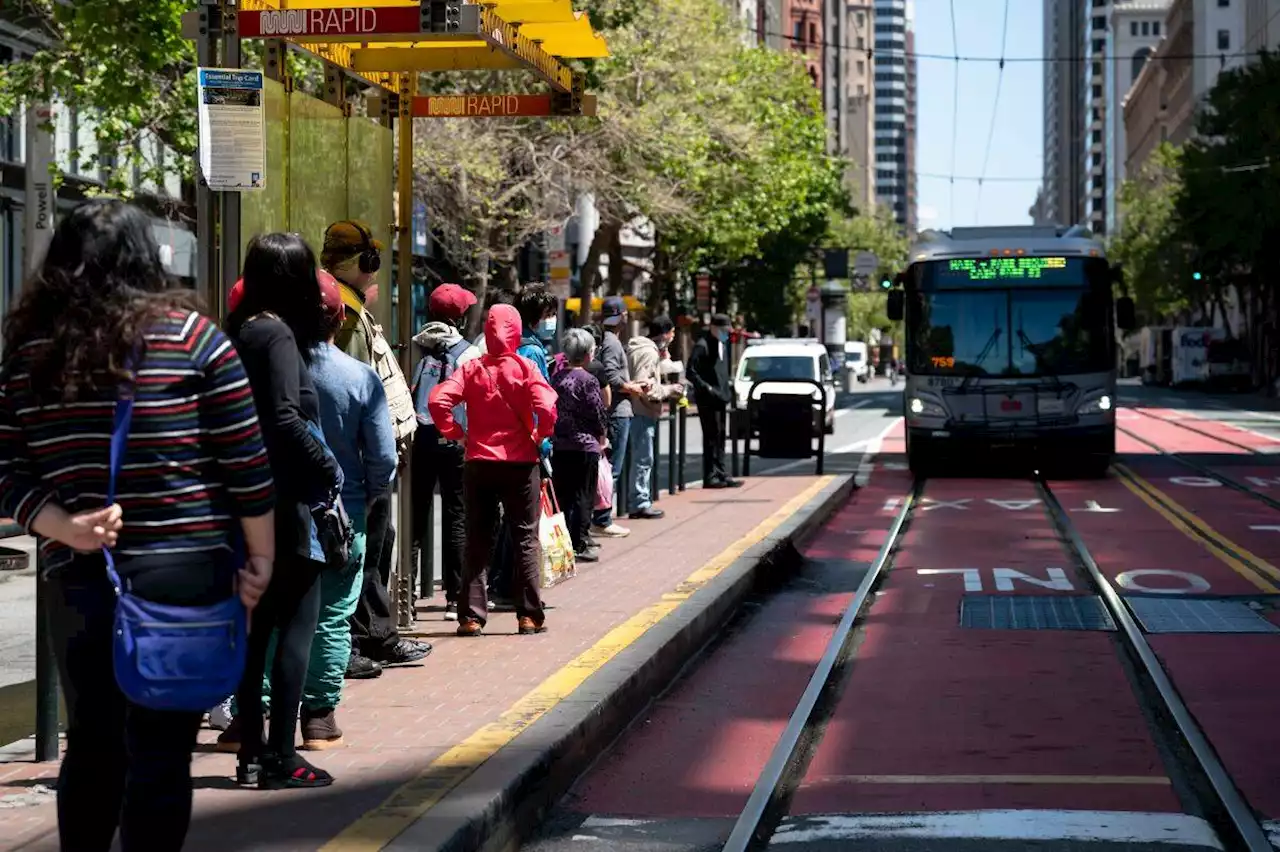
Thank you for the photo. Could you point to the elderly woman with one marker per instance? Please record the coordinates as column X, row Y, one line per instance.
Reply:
column 581, row 424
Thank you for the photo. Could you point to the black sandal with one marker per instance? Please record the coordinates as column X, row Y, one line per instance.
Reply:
column 295, row 772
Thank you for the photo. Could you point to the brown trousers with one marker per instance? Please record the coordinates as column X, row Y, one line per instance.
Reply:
column 517, row 487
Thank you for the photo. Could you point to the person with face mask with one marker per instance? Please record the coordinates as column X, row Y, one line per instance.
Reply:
column 709, row 373
column 537, row 309
column 644, row 356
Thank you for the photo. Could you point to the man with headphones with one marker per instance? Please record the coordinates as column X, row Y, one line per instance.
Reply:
column 354, row 257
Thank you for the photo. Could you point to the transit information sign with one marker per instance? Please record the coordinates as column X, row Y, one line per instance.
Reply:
column 1005, row 269
column 490, row 106
column 352, row 22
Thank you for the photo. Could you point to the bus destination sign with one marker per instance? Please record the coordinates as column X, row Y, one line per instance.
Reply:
column 1005, row 268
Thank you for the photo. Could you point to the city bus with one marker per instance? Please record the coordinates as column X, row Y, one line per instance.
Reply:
column 1010, row 344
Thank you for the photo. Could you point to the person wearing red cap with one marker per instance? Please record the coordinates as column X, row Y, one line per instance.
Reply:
column 437, row 460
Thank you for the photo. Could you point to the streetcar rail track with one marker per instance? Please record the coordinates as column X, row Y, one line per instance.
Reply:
column 764, row 808
column 1238, row 816
column 1182, row 424
column 1204, row 470
column 770, row 796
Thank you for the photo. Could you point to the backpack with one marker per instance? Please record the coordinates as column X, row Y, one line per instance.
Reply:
column 431, row 371
column 404, row 419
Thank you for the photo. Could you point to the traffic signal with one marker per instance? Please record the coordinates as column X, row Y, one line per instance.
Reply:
column 886, row 284
column 1196, row 276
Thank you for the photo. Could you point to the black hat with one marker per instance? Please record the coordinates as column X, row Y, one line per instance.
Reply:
column 721, row 320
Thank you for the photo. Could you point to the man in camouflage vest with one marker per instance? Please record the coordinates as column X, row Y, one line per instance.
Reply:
column 354, row 257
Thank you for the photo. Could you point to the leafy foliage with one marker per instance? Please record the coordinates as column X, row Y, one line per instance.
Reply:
column 879, row 232
column 1150, row 241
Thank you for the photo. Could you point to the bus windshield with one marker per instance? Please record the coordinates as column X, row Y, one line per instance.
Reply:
column 980, row 328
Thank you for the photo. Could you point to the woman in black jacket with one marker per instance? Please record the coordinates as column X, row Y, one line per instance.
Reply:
column 278, row 321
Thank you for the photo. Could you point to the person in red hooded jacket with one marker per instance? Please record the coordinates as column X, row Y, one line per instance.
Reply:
column 511, row 412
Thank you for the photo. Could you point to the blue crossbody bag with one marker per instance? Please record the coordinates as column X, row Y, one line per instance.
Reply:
column 170, row 657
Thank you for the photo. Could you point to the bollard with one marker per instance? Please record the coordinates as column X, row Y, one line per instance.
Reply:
column 732, row 432
column 655, row 488
column 46, row 673
column 684, row 444
column 672, row 440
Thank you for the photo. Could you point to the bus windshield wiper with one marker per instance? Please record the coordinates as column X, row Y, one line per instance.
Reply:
column 982, row 356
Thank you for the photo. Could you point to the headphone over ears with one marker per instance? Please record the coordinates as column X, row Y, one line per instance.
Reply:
column 370, row 257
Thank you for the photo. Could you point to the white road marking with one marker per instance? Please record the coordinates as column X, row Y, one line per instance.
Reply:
column 1025, row 825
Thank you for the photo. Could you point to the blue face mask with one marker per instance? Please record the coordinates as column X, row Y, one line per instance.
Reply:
column 723, row 336
column 547, row 328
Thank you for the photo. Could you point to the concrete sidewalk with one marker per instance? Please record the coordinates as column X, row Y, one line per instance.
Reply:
column 467, row 748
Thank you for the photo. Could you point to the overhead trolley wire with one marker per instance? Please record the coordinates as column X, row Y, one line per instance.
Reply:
column 955, row 108
column 995, row 111
column 1243, row 167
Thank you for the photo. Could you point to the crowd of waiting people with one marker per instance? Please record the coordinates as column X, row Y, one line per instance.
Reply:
column 242, row 438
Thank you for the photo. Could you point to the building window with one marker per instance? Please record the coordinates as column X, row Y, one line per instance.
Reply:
column 862, row 20
column 813, row 33
column 1224, row 39
column 1098, row 45
column 1133, row 28
column 862, row 43
column 1155, row 28
column 862, row 67
column 1224, row 4
column 1140, row 59
column 1097, row 69
column 862, row 91
column 798, row 35
column 1099, row 22
column 1097, row 93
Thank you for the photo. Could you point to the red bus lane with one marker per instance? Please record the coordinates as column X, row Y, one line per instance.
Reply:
column 967, row 721
column 1226, row 677
column 1214, row 429
column 699, row 749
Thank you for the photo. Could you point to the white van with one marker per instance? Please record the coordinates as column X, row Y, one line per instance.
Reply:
column 782, row 359
column 855, row 360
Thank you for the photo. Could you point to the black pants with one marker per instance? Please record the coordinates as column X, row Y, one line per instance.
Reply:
column 711, row 419
column 373, row 626
column 516, row 487
column 574, row 475
column 291, row 606
column 439, row 464
column 126, row 766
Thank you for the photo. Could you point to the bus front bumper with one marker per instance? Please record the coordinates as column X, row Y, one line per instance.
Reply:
column 959, row 441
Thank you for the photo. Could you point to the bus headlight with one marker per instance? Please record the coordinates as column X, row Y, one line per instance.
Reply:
column 923, row 408
column 1097, row 405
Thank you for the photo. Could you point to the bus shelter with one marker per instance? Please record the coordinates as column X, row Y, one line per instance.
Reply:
column 324, row 163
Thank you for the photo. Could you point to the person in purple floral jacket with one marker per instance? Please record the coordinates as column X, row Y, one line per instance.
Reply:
column 581, row 424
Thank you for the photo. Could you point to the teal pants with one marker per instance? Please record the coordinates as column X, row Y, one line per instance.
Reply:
column 331, row 649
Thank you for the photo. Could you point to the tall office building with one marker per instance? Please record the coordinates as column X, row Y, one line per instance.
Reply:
column 895, row 109
column 1064, row 111
column 859, row 139
column 1261, row 25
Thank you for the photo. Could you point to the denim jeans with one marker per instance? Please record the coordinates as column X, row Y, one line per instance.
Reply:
column 640, row 448
column 619, row 435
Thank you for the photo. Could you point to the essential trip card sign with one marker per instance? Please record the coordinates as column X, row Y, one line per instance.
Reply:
column 233, row 142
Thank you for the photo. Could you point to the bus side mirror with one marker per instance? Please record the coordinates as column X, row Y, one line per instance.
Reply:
column 1126, row 314
column 897, row 299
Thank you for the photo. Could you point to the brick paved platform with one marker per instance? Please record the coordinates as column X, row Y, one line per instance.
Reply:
column 431, row 726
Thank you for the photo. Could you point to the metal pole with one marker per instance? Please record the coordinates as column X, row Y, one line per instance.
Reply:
column 229, row 201
column 674, row 451
column 404, row 321
column 206, row 201
column 40, row 217
column 684, row 442
column 732, row 420
column 655, row 489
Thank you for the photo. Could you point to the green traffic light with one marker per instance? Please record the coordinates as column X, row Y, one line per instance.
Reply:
column 886, row 284
column 1196, row 276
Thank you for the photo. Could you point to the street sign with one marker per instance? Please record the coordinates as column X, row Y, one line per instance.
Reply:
column 232, row 134
column 865, row 263
column 835, row 263
column 491, row 106
column 329, row 25
column 813, row 305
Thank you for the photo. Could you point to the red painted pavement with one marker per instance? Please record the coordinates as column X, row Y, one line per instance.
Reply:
column 1215, row 428
column 1172, row 438
column 698, row 750
column 928, row 698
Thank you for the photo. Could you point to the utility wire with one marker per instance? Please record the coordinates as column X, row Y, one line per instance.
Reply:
column 995, row 111
column 1246, row 167
column 955, row 108
column 873, row 52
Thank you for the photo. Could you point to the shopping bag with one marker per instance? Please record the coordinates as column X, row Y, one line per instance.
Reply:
column 558, row 562
column 604, row 485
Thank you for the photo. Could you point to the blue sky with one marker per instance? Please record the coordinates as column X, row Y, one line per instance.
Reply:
column 1016, row 143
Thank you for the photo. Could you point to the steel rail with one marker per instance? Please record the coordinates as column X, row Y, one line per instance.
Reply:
column 1243, row 820
column 764, row 794
column 1204, row 432
column 1230, row 482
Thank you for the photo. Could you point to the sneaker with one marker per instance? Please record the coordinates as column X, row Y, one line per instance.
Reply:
column 451, row 612
column 220, row 717
column 588, row 555
column 611, row 531
column 405, row 652
column 648, row 513
column 469, row 627
column 362, row 668
column 528, row 626
column 320, row 730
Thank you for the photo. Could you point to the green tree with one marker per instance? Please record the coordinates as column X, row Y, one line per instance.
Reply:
column 1150, row 242
column 876, row 231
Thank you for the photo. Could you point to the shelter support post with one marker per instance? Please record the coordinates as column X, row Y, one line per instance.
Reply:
column 229, row 202
column 408, row 85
